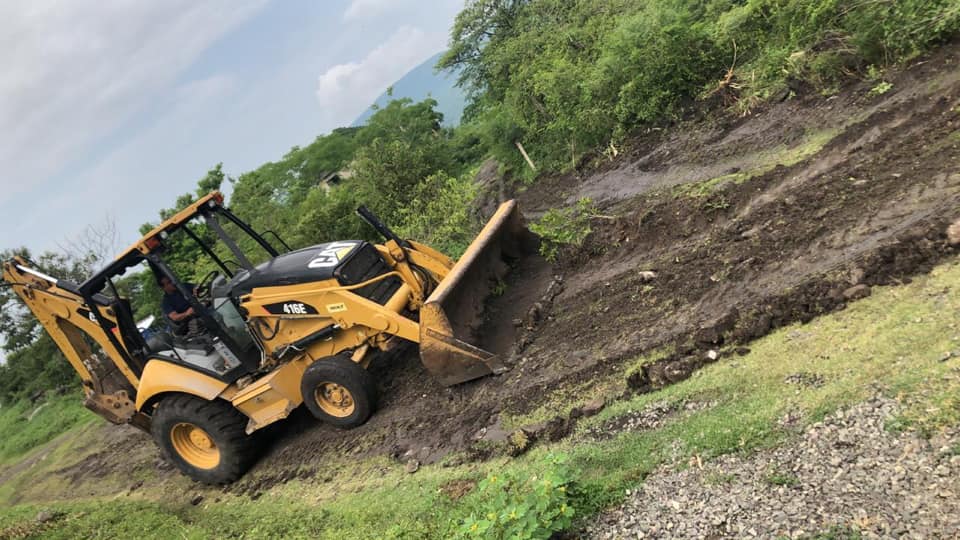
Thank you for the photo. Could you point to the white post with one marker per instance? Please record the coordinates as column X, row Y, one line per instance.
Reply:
column 525, row 156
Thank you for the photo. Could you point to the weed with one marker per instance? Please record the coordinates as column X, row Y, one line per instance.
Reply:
column 717, row 478
column 519, row 441
column 717, row 203
column 564, row 227
column 776, row 477
column 522, row 507
column 881, row 88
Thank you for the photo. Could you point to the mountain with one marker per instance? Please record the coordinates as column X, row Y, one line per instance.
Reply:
column 421, row 82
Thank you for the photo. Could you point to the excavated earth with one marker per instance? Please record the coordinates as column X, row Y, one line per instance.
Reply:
column 748, row 223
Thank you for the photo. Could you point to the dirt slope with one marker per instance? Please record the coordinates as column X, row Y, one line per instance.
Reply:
column 749, row 223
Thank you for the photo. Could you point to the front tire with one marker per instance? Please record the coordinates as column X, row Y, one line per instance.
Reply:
column 338, row 391
column 204, row 439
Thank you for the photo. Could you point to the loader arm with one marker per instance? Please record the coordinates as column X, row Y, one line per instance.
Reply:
column 451, row 314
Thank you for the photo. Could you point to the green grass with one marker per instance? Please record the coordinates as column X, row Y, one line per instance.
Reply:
column 22, row 433
column 776, row 477
column 890, row 343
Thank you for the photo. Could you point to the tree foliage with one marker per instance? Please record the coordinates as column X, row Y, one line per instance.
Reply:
column 566, row 77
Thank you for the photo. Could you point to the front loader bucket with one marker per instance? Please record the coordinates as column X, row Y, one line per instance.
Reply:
column 451, row 319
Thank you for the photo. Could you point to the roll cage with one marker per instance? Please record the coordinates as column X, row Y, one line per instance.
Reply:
column 151, row 249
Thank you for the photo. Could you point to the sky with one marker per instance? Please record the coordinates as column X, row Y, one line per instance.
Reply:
column 111, row 109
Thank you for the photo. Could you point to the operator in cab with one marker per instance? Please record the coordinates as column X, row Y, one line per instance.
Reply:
column 175, row 307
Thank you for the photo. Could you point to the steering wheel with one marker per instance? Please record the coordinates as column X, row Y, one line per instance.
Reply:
column 203, row 289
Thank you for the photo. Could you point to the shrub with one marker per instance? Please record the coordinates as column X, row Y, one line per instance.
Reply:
column 439, row 215
column 517, row 507
column 559, row 228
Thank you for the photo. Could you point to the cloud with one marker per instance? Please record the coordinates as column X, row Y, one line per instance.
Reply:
column 211, row 87
column 76, row 71
column 366, row 9
column 345, row 90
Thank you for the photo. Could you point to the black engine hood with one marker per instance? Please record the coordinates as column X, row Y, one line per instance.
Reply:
column 314, row 263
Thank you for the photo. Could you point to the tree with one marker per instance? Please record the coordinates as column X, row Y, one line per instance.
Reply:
column 480, row 23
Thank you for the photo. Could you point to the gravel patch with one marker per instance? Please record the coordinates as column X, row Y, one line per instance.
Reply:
column 845, row 475
column 653, row 416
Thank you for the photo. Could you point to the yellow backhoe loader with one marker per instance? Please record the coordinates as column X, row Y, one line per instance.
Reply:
column 272, row 328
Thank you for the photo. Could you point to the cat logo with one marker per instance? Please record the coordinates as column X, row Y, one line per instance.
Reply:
column 332, row 254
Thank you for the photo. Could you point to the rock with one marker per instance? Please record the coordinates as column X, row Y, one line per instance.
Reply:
column 44, row 516
column 490, row 193
column 647, row 275
column 534, row 431
column 712, row 355
column 947, row 355
column 592, row 407
column 412, row 466
column 196, row 500
column 953, row 233
column 742, row 351
column 708, row 336
column 857, row 292
column 533, row 316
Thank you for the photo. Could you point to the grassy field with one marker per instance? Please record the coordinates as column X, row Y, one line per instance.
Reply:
column 902, row 342
column 26, row 425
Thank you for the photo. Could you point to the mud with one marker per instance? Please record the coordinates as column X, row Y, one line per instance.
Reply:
column 798, row 205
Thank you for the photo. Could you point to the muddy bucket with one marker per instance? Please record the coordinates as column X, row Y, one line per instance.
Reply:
column 450, row 320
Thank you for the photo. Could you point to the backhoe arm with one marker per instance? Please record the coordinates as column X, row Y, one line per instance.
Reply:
column 61, row 310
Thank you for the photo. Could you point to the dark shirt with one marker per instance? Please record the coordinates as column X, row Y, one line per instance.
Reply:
column 175, row 302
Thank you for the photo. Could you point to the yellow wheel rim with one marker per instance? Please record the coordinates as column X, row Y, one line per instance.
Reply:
column 334, row 399
column 195, row 446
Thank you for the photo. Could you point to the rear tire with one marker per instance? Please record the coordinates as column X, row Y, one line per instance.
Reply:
column 339, row 391
column 204, row 439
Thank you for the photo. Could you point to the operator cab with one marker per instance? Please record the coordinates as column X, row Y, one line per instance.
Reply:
column 215, row 340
